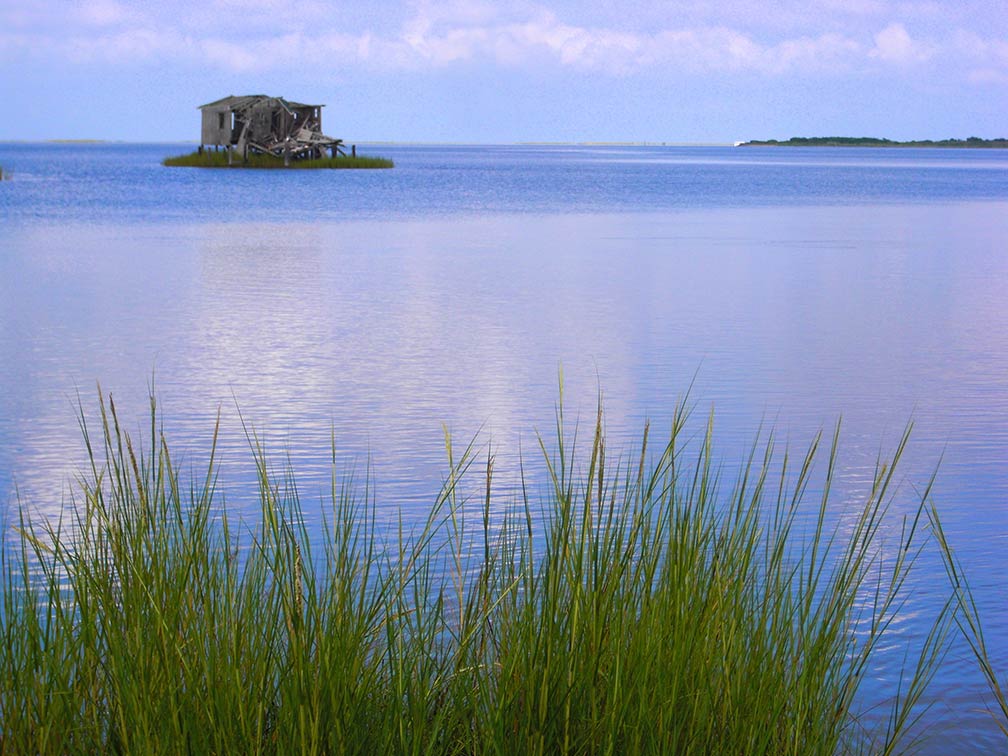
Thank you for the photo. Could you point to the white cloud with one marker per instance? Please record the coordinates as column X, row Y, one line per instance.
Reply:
column 854, row 7
column 894, row 45
column 107, row 13
column 612, row 51
column 975, row 47
column 988, row 59
column 236, row 57
column 472, row 32
column 463, row 12
column 572, row 45
column 128, row 46
column 826, row 51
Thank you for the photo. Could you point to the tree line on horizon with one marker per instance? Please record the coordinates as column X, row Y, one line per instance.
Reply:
column 836, row 141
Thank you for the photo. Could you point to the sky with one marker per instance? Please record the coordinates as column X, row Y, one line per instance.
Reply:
column 467, row 71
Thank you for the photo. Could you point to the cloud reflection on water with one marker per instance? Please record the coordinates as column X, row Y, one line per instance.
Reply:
column 376, row 333
column 384, row 331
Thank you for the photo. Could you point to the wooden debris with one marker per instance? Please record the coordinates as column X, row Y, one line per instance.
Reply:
column 267, row 125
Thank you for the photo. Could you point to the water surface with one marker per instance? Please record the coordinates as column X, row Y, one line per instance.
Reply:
column 790, row 287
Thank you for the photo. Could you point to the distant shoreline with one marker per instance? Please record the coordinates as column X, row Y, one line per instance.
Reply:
column 970, row 143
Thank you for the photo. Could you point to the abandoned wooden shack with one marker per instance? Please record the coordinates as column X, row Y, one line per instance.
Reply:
column 266, row 125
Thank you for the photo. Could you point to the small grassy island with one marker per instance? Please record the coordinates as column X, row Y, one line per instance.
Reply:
column 833, row 141
column 212, row 159
column 260, row 131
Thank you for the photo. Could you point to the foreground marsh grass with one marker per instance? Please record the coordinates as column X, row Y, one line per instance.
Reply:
column 211, row 159
column 638, row 607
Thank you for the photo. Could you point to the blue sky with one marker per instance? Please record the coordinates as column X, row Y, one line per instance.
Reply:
column 471, row 71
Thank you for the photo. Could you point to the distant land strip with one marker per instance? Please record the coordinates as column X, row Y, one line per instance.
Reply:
column 971, row 142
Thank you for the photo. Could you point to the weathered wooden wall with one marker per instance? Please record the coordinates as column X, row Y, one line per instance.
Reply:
column 216, row 126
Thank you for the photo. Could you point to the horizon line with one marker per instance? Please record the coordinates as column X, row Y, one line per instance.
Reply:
column 395, row 142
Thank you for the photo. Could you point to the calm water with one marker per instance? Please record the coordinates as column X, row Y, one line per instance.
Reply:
column 791, row 287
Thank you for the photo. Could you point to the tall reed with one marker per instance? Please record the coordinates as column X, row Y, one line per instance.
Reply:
column 969, row 621
column 637, row 606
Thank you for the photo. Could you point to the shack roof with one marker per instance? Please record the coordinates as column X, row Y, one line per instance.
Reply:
column 233, row 102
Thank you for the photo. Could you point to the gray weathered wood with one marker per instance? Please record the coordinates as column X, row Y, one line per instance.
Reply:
column 269, row 125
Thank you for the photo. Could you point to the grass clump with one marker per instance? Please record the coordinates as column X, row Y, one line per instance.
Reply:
column 211, row 159
column 641, row 606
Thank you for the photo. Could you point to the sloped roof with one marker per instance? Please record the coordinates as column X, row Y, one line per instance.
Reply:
column 232, row 102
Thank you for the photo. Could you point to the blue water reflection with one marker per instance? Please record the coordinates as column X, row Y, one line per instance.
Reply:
column 791, row 287
column 127, row 183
